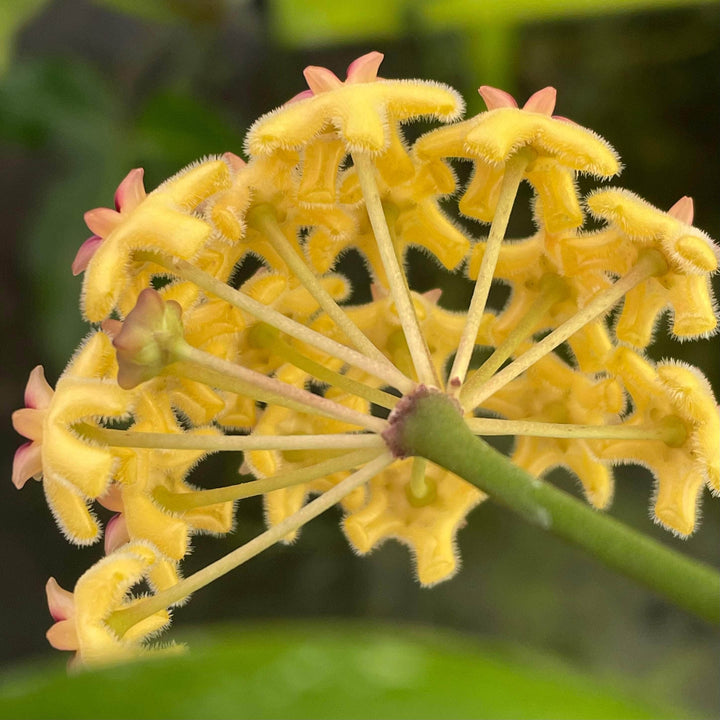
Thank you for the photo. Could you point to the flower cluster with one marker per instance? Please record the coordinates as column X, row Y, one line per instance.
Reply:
column 191, row 356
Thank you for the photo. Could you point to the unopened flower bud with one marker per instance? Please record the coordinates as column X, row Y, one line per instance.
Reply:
column 148, row 340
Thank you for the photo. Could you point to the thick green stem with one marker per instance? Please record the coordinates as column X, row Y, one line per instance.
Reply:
column 430, row 425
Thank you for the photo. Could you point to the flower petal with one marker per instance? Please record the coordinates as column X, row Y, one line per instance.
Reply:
column 131, row 191
column 365, row 68
column 63, row 636
column 27, row 463
column 320, row 79
column 543, row 101
column 85, row 253
column 496, row 98
column 60, row 601
column 102, row 221
column 38, row 392
column 683, row 210
column 29, row 422
column 116, row 533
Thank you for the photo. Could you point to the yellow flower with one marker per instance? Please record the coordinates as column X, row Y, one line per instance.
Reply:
column 163, row 221
column 428, row 527
column 558, row 147
column 80, row 617
column 680, row 398
column 361, row 109
column 142, row 471
column 533, row 273
column 685, row 288
column 74, row 470
column 553, row 392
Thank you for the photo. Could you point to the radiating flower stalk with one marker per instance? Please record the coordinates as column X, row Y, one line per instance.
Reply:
column 378, row 407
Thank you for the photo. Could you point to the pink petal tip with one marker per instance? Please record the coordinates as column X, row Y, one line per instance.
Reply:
column 683, row 210
column 131, row 191
column 320, row 79
column 495, row 98
column 365, row 68
column 38, row 393
column 85, row 253
column 27, row 463
column 543, row 101
column 60, row 601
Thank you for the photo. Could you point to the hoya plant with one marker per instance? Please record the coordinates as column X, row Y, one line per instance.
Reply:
column 381, row 407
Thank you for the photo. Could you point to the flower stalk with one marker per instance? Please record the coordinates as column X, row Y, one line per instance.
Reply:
column 122, row 620
column 649, row 264
column 514, row 171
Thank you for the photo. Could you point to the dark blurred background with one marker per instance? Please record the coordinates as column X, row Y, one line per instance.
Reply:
column 92, row 89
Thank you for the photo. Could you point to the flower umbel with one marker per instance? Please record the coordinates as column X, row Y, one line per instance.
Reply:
column 316, row 392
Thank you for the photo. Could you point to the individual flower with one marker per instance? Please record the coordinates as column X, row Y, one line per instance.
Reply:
column 427, row 525
column 636, row 226
column 361, row 109
column 142, row 472
column 679, row 398
column 553, row 392
column 102, row 221
column 555, row 148
column 74, row 469
column 163, row 222
column 81, row 616
column 29, row 423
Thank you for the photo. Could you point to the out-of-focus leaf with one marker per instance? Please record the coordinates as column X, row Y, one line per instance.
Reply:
column 175, row 129
column 461, row 13
column 156, row 10
column 55, row 101
column 329, row 671
column 66, row 110
column 169, row 10
column 308, row 23
column 13, row 16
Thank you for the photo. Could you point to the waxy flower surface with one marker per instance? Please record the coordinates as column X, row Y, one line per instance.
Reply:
column 314, row 388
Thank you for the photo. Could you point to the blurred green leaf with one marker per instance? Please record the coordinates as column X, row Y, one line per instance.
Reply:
column 461, row 13
column 155, row 10
column 13, row 16
column 56, row 101
column 309, row 23
column 329, row 671
column 175, row 129
column 165, row 11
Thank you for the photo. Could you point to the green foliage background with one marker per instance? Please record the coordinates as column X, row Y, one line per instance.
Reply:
column 90, row 90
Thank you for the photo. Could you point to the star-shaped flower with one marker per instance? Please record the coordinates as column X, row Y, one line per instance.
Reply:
column 634, row 226
column 680, row 398
column 80, row 616
column 29, row 423
column 163, row 221
column 427, row 528
column 102, row 221
column 74, row 470
column 360, row 109
column 557, row 148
